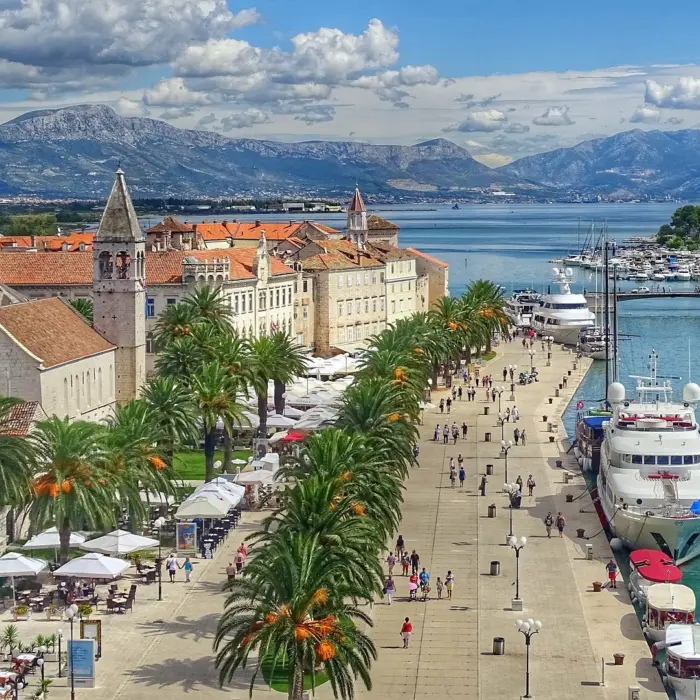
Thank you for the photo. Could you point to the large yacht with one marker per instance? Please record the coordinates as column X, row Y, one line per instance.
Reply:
column 520, row 306
column 649, row 478
column 564, row 315
column 592, row 342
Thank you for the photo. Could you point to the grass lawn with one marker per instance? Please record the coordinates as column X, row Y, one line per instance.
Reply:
column 189, row 464
column 279, row 680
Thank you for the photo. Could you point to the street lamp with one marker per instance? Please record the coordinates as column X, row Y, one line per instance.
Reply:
column 430, row 388
column 60, row 638
column 517, row 545
column 40, row 661
column 499, row 391
column 528, row 628
column 532, row 357
column 158, row 523
column 513, row 369
column 505, row 448
column 502, row 422
column 510, row 489
column 70, row 613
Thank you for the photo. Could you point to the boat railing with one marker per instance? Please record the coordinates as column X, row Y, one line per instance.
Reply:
column 677, row 511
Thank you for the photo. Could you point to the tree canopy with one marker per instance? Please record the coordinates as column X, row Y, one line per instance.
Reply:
column 684, row 228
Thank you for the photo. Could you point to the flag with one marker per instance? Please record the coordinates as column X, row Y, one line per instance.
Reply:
column 579, row 405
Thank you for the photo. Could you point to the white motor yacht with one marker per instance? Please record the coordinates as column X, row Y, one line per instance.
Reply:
column 683, row 273
column 591, row 342
column 564, row 315
column 520, row 306
column 649, row 478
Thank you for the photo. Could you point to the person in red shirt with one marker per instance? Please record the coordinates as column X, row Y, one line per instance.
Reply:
column 406, row 630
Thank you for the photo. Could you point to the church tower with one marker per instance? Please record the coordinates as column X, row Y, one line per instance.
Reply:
column 119, row 289
column 356, row 230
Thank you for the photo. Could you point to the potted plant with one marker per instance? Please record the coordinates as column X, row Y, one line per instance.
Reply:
column 52, row 611
column 50, row 642
column 9, row 640
column 85, row 610
column 43, row 690
column 21, row 612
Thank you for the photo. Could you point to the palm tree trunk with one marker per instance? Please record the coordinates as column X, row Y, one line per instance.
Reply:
column 296, row 683
column 64, row 534
column 279, row 399
column 228, row 453
column 436, row 368
column 262, row 415
column 209, row 452
column 488, row 343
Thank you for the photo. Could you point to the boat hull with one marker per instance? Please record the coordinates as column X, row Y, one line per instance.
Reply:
column 565, row 335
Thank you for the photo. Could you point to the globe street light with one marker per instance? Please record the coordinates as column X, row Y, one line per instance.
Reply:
column 40, row 661
column 505, row 448
column 499, row 391
column 502, row 422
column 528, row 628
column 510, row 489
column 532, row 358
column 517, row 545
column 158, row 523
column 70, row 613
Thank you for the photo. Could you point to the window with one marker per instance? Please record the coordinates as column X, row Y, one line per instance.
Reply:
column 374, row 304
column 381, row 303
column 349, row 307
column 393, row 306
column 687, row 459
column 296, row 313
column 272, row 298
column 358, row 279
column 341, row 335
column 295, row 288
column 235, row 304
column 662, row 459
column 170, row 301
column 305, row 312
column 150, row 345
column 340, row 308
column 349, row 280
column 99, row 386
column 392, row 288
column 400, row 304
column 242, row 303
column 358, row 306
column 250, row 301
column 284, row 296
column 305, row 286
column 381, row 277
column 677, row 459
column 350, row 334
column 340, row 281
column 374, row 278
column 366, row 278
column 150, row 307
column 649, row 459
column 277, row 297
column 366, row 305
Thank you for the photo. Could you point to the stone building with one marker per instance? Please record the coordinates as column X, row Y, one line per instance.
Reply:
column 382, row 231
column 436, row 272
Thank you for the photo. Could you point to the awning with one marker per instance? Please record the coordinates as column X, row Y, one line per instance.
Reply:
column 203, row 507
column 119, row 542
column 93, row 565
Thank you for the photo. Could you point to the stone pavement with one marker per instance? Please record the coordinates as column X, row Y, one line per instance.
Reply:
column 167, row 646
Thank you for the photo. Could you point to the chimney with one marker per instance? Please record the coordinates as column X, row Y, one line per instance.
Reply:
column 33, row 241
column 257, row 223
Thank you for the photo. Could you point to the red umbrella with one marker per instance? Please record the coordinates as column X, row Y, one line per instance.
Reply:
column 292, row 437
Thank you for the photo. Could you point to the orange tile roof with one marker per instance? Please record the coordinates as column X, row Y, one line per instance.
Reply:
column 171, row 224
column 52, row 331
column 51, row 243
column 21, row 418
column 375, row 222
column 15, row 241
column 339, row 255
column 62, row 268
column 386, row 251
column 427, row 257
column 213, row 231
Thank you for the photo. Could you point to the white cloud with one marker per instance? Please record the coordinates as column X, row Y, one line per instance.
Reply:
column 554, row 116
column 177, row 113
column 517, row 128
column 493, row 160
column 207, row 120
column 131, row 108
column 673, row 120
column 486, row 120
column 244, row 120
column 684, row 94
column 646, row 115
column 174, row 93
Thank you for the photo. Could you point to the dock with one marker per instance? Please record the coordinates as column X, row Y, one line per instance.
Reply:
column 451, row 653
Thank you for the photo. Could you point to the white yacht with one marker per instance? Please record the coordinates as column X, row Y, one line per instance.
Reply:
column 564, row 315
column 520, row 306
column 683, row 273
column 591, row 343
column 649, row 478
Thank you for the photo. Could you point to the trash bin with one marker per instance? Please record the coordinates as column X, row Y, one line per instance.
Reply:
column 619, row 659
column 551, row 438
column 550, row 399
column 499, row 646
column 568, row 371
column 544, row 419
column 486, row 410
column 495, row 568
column 597, row 586
column 489, row 470
column 580, row 532
column 569, row 497
column 561, row 386
column 487, row 437
column 492, row 510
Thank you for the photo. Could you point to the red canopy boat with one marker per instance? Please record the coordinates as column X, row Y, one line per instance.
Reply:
column 655, row 566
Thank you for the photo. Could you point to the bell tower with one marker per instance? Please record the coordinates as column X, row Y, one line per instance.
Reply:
column 356, row 229
column 119, row 289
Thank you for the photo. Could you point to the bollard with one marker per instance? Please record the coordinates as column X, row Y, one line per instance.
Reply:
column 581, row 532
column 487, row 437
column 486, row 410
column 489, row 470
column 589, row 552
column 544, row 419
column 559, row 464
column 495, row 568
column 499, row 646
column 561, row 386
column 556, row 393
column 568, row 371
column 551, row 438
column 569, row 497
column 492, row 510
column 550, row 399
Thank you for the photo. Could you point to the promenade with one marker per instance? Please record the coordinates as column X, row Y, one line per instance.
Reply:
column 167, row 646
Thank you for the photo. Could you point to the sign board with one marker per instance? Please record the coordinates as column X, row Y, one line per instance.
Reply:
column 81, row 662
column 92, row 629
column 186, row 537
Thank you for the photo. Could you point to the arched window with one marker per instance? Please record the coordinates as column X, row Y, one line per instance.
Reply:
column 105, row 264
column 66, row 407
column 111, row 383
column 123, row 265
column 89, row 390
column 78, row 396
column 99, row 385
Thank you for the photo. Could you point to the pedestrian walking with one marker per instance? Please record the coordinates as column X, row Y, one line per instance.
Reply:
column 389, row 588
column 453, row 476
column 445, row 434
column 452, row 463
column 230, row 571
column 240, row 559
column 515, row 414
column 508, row 414
column 522, row 438
column 415, row 560
column 462, row 476
column 548, row 523
column 406, row 631
column 611, row 568
column 438, row 588
column 490, row 381
column 171, row 566
column 560, row 523
column 460, row 460
column 391, row 562
column 448, row 403
column 455, row 434
column 459, row 393
column 400, row 546
column 488, row 392
column 530, row 485
column 465, row 429
column 449, row 584
column 482, row 485
column 405, row 563
column 436, row 434
column 465, row 376
column 493, row 395
column 519, row 482
column 442, row 405
column 454, row 393
column 511, row 371
column 505, row 373
column 187, row 566
column 516, row 436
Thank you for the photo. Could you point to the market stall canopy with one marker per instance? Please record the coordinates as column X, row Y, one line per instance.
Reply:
column 50, row 539
column 276, row 420
column 203, row 506
column 119, row 542
column 259, row 477
column 14, row 565
column 93, row 565
column 226, row 493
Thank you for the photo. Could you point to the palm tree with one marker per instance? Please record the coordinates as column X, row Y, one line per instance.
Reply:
column 182, row 358
column 173, row 413
column 215, row 396
column 211, row 307
column 292, row 607
column 292, row 363
column 72, row 489
column 83, row 307
column 175, row 321
column 486, row 298
column 16, row 458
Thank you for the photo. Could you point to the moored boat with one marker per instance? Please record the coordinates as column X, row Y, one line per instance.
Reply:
column 650, row 566
column 682, row 664
column 667, row 604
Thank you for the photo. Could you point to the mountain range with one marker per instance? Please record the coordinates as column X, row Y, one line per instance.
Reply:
column 73, row 152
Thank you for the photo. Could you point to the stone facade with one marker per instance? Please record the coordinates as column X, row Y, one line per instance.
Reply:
column 435, row 271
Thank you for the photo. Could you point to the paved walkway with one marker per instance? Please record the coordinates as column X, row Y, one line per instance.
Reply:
column 166, row 646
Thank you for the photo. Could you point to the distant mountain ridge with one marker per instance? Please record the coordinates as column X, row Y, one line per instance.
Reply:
column 73, row 152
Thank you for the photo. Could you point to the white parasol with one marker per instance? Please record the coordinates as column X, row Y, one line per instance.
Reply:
column 206, row 505
column 50, row 539
column 14, row 564
column 119, row 542
column 93, row 565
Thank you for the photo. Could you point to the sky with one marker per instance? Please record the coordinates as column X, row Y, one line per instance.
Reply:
column 503, row 79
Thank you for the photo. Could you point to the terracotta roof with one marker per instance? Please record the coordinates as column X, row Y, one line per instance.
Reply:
column 50, row 243
column 420, row 254
column 52, row 331
column 375, row 222
column 386, row 251
column 339, row 255
column 15, row 241
column 169, row 225
column 21, row 418
column 44, row 269
column 213, row 231
column 356, row 203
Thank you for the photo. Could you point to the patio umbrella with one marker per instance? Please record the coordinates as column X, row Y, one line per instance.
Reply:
column 238, row 461
column 203, row 506
column 156, row 499
column 261, row 476
column 93, row 565
column 219, row 491
column 293, row 437
column 14, row 564
column 119, row 542
column 276, row 420
column 50, row 539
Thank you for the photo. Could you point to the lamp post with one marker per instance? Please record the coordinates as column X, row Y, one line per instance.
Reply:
column 40, row 661
column 159, row 522
column 502, row 423
column 510, row 490
column 499, row 391
column 505, row 448
column 517, row 545
column 430, row 388
column 512, row 369
column 528, row 628
column 70, row 614
column 60, row 638
column 549, row 339
column 532, row 358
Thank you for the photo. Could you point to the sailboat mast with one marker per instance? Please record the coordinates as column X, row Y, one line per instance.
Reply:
column 615, row 348
column 606, row 285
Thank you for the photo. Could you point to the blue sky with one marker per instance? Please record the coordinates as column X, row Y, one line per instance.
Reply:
column 499, row 78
